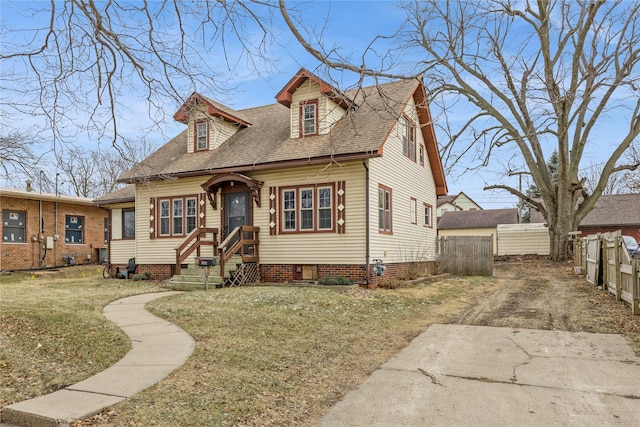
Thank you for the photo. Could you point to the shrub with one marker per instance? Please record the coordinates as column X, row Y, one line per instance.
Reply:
column 335, row 281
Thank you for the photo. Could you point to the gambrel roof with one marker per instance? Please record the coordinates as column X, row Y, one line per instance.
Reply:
column 266, row 142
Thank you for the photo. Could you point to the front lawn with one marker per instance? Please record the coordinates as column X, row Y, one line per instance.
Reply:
column 264, row 355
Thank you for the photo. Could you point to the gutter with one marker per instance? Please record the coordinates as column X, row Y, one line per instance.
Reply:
column 253, row 167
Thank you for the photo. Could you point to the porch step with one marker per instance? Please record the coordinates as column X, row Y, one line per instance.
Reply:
column 193, row 277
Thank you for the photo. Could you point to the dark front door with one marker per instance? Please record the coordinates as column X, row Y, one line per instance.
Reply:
column 236, row 211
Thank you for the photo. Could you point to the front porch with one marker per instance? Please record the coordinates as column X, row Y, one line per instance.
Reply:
column 236, row 259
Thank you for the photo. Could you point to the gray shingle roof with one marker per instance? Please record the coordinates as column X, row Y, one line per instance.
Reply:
column 445, row 199
column 488, row 218
column 126, row 194
column 612, row 210
column 267, row 141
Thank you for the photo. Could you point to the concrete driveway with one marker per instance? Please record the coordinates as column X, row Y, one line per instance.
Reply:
column 455, row 375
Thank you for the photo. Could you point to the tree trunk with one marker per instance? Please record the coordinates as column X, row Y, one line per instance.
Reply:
column 559, row 229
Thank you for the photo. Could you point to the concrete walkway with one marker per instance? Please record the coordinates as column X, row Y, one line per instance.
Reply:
column 158, row 348
column 454, row 375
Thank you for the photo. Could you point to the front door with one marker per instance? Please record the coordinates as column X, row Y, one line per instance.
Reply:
column 236, row 211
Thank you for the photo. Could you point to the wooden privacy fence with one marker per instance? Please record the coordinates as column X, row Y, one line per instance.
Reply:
column 605, row 261
column 466, row 255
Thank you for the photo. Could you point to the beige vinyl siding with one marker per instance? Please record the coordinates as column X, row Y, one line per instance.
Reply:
column 219, row 130
column 447, row 207
column 298, row 248
column 523, row 239
column 330, row 116
column 473, row 232
column 116, row 218
column 328, row 111
column 122, row 250
column 162, row 249
column 465, row 203
column 319, row 247
column 407, row 179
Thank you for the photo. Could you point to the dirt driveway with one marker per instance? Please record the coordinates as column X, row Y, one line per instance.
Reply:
column 538, row 294
column 529, row 358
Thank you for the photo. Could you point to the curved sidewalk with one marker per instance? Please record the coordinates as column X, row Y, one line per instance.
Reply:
column 158, row 348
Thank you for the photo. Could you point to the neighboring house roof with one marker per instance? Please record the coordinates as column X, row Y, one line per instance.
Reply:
column 489, row 218
column 122, row 195
column 610, row 211
column 34, row 195
column 267, row 142
column 451, row 199
column 443, row 200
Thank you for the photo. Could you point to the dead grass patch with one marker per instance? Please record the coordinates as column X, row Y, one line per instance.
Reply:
column 274, row 356
column 52, row 329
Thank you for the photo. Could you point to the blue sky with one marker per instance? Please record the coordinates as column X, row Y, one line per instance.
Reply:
column 351, row 25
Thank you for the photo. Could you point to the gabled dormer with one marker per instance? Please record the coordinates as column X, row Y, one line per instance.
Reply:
column 209, row 122
column 315, row 105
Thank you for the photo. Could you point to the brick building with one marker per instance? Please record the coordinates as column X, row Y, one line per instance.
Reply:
column 41, row 230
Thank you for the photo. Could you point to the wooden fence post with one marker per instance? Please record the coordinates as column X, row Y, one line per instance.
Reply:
column 635, row 287
column 618, row 247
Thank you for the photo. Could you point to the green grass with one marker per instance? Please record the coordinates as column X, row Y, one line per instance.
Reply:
column 264, row 355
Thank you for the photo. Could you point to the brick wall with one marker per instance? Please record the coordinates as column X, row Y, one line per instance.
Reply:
column 24, row 256
column 280, row 273
column 284, row 273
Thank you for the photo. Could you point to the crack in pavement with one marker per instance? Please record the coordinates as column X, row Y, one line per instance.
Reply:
column 492, row 381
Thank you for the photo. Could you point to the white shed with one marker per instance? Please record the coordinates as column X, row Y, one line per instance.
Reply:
column 523, row 239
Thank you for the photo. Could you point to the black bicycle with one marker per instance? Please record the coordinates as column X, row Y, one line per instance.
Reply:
column 108, row 272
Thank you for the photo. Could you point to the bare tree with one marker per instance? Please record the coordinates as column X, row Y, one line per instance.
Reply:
column 623, row 181
column 535, row 76
column 80, row 64
column 93, row 173
column 16, row 153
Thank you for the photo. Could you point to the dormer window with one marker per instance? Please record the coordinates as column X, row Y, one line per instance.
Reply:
column 309, row 118
column 202, row 136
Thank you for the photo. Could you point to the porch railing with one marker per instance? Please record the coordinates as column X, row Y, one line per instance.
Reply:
column 243, row 240
column 194, row 241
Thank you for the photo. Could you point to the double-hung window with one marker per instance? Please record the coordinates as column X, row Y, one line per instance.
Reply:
column 307, row 209
column 384, row 209
column 178, row 215
column 309, row 118
column 427, row 215
column 408, row 135
column 191, row 214
column 202, row 136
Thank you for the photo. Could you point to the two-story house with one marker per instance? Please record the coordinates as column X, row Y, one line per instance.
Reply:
column 320, row 183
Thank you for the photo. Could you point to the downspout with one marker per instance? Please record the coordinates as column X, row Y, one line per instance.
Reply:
column 40, row 235
column 367, row 213
column 55, row 236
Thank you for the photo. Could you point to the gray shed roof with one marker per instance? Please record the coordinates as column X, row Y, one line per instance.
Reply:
column 488, row 218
